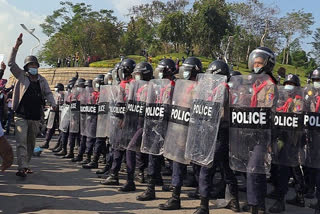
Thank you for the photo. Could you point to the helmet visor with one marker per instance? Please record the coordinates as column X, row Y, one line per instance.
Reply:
column 159, row 72
column 185, row 71
column 258, row 59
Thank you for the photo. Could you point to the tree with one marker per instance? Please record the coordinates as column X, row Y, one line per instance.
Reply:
column 316, row 45
column 174, row 29
column 294, row 24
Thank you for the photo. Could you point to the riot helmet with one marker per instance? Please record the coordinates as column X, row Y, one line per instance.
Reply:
column 59, row 87
column 315, row 77
column 190, row 68
column 262, row 59
column 108, row 78
column 165, row 69
column 219, row 67
column 88, row 83
column 292, row 79
column 97, row 82
column 80, row 83
column 234, row 73
column 126, row 68
column 143, row 71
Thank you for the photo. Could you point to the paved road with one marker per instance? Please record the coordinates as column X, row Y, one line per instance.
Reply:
column 59, row 186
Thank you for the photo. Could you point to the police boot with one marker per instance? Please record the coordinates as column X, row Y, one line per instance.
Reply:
column 93, row 164
column 112, row 179
column 234, row 202
column 77, row 159
column 233, row 205
column 70, row 155
column 140, row 177
column 204, row 206
column 278, row 207
column 59, row 148
column 63, row 152
column 174, row 202
column 56, row 146
column 45, row 145
column 297, row 201
column 105, row 169
column 128, row 187
column 195, row 194
column 149, row 194
column 258, row 210
column 87, row 160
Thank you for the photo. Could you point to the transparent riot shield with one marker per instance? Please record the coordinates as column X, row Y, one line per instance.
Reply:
column 117, row 109
column 52, row 114
column 103, row 109
column 75, row 110
column 251, row 100
column 206, row 111
column 65, row 114
column 176, row 136
column 91, row 113
column 287, row 127
column 83, row 111
column 157, row 113
column 311, row 125
column 134, row 118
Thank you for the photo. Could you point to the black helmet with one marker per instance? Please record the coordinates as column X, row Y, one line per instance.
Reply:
column 73, row 79
column 219, row 67
column 268, row 60
column 234, row 73
column 30, row 59
column 126, row 68
column 80, row 82
column 292, row 78
column 108, row 78
column 59, row 86
column 190, row 68
column 97, row 82
column 315, row 74
column 144, row 70
column 166, row 68
column 88, row 83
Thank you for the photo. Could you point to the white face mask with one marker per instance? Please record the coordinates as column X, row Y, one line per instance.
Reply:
column 137, row 77
column 109, row 82
column 97, row 85
column 256, row 70
column 230, row 84
column 160, row 75
column 316, row 84
column 122, row 76
column 250, row 90
column 289, row 87
column 56, row 89
column 186, row 75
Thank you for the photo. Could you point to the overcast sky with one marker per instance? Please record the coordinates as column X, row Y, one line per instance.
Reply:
column 32, row 13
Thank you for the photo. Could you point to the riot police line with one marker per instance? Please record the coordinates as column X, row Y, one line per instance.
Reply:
column 213, row 119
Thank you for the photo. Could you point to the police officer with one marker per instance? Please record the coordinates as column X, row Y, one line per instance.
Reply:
column 188, row 71
column 59, row 89
column 125, row 74
column 99, row 146
column 294, row 103
column 261, row 61
column 221, row 154
column 143, row 71
column 165, row 70
column 74, row 131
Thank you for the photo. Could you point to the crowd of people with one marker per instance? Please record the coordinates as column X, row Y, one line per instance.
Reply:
column 166, row 118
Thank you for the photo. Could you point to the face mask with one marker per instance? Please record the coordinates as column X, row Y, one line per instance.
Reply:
column 123, row 76
column 316, row 84
column 288, row 87
column 186, row 75
column 97, row 85
column 137, row 77
column 109, row 82
column 33, row 71
column 230, row 84
column 250, row 90
column 56, row 89
column 256, row 70
column 160, row 75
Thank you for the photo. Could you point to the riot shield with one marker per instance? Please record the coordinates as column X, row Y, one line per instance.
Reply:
column 75, row 110
column 103, row 109
column 311, row 124
column 134, row 118
column 251, row 101
column 52, row 114
column 91, row 113
column 83, row 111
column 176, row 136
column 65, row 114
column 287, row 127
column 117, row 109
column 206, row 112
column 157, row 113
